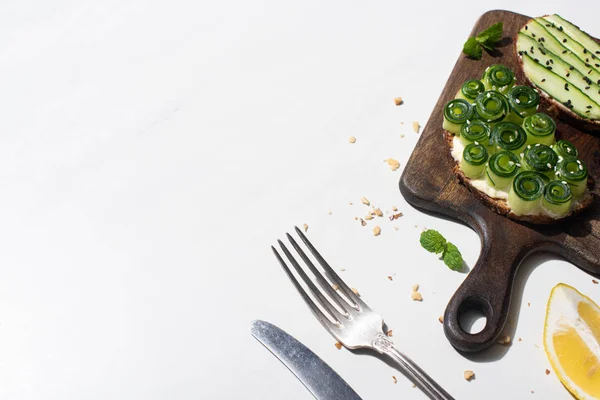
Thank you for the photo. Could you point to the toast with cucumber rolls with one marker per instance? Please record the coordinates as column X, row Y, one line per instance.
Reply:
column 507, row 154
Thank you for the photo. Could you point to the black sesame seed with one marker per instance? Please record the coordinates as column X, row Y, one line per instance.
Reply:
column 571, row 68
column 590, row 71
column 532, row 34
column 598, row 82
column 587, row 60
column 584, row 51
column 566, row 86
column 587, row 111
column 543, row 52
column 587, row 87
column 520, row 53
column 548, row 25
column 542, row 39
column 597, row 65
column 587, row 65
column 551, row 61
column 550, row 68
column 589, row 107
column 536, row 60
column 565, row 51
column 547, row 62
column 568, row 74
column 564, row 40
column 560, row 28
column 526, row 27
column 544, row 80
column 531, row 49
column 597, row 51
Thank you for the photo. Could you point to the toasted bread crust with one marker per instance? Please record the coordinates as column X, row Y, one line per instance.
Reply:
column 555, row 108
column 501, row 207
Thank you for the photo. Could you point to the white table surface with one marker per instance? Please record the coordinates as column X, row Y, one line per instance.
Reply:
column 152, row 151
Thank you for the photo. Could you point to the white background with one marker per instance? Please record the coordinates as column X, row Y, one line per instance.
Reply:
column 152, row 151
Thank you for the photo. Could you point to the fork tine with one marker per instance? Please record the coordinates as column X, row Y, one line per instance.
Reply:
column 320, row 279
column 331, row 273
column 322, row 300
column 311, row 304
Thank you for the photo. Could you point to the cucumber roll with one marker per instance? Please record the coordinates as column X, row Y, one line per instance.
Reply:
column 557, row 198
column 526, row 192
column 501, row 169
column 470, row 90
column 456, row 113
column 575, row 173
column 540, row 128
column 565, row 149
column 509, row 136
column 498, row 77
column 473, row 161
column 540, row 158
column 491, row 106
column 523, row 101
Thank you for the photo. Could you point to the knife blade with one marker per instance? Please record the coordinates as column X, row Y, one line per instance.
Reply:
column 318, row 377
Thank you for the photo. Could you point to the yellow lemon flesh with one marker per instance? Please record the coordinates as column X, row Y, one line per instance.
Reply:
column 572, row 340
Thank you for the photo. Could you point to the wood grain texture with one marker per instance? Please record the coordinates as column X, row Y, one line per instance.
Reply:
column 429, row 183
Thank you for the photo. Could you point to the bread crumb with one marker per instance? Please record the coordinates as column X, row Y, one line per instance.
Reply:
column 395, row 228
column 376, row 231
column 329, row 213
column 528, row 304
column 363, row 222
column 401, row 122
column 378, row 212
column 402, row 136
column 305, row 227
column 351, row 139
column 416, row 296
column 532, row 391
column 355, row 291
column 335, row 286
column 398, row 101
column 504, row 339
column 595, row 282
column 547, row 371
column 394, row 164
column 338, row 345
column 414, row 386
column 365, row 201
column 394, row 378
column 394, row 208
column 368, row 217
column 389, row 333
column 469, row 375
column 396, row 216
column 416, row 126
column 342, row 269
column 520, row 340
column 415, row 287
column 390, row 278
column 441, row 319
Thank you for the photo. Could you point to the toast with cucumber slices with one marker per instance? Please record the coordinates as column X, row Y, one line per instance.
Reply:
column 563, row 63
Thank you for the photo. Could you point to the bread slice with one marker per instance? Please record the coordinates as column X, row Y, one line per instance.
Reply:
column 501, row 207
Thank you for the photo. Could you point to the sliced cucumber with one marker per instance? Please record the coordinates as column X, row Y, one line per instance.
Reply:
column 538, row 32
column 473, row 161
column 559, row 66
column 526, row 192
column 573, row 31
column 571, row 43
column 554, row 85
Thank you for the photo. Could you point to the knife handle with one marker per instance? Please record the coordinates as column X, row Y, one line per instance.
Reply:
column 410, row 369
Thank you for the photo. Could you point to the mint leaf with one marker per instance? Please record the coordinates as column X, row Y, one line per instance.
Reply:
column 487, row 39
column 452, row 257
column 490, row 36
column 472, row 49
column 433, row 241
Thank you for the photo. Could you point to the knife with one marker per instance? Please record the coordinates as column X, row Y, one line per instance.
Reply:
column 318, row 377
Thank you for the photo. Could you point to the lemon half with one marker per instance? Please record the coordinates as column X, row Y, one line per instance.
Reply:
column 572, row 340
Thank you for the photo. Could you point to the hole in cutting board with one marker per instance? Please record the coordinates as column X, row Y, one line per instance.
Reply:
column 472, row 321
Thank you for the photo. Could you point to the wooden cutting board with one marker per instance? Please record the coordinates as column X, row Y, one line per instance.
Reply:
column 429, row 183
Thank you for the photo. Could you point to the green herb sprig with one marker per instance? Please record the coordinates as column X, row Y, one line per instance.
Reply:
column 434, row 242
column 487, row 39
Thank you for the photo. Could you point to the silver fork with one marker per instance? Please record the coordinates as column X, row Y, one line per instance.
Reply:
column 350, row 320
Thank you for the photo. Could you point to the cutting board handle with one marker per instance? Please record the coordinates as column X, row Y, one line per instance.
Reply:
column 487, row 289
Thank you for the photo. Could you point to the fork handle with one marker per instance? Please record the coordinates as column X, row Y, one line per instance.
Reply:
column 384, row 345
